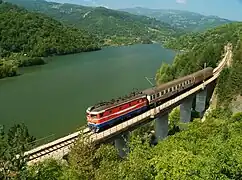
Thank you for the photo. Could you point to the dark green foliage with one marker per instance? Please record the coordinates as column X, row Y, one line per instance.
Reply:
column 37, row 35
column 229, row 84
column 111, row 26
column 25, row 36
column 189, row 62
column 49, row 169
column 31, row 61
column 15, row 142
column 220, row 35
column 208, row 47
column 209, row 150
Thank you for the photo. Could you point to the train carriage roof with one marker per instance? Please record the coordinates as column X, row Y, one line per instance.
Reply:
column 164, row 86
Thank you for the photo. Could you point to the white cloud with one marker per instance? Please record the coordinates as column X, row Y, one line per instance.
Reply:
column 181, row 1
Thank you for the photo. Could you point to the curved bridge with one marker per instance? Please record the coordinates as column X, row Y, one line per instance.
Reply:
column 60, row 147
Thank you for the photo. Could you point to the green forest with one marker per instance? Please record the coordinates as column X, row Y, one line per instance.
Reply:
column 26, row 37
column 205, row 150
column 112, row 27
column 207, row 47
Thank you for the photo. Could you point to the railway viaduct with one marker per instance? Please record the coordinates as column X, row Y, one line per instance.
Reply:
column 120, row 133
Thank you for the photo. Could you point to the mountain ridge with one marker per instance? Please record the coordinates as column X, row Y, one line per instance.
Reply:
column 26, row 37
column 186, row 20
column 112, row 27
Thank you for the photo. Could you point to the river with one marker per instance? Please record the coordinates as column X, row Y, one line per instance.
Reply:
column 52, row 99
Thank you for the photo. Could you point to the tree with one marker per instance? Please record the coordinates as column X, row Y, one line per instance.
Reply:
column 82, row 158
column 12, row 148
column 48, row 169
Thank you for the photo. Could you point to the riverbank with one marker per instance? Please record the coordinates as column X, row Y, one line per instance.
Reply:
column 9, row 66
column 52, row 99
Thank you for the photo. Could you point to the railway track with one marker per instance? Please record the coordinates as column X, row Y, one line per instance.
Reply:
column 56, row 145
column 63, row 144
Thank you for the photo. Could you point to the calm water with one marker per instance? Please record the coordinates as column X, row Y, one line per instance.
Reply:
column 52, row 99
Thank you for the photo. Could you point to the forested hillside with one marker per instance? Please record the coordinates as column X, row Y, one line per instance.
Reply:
column 111, row 26
column 25, row 35
column 200, row 48
column 185, row 20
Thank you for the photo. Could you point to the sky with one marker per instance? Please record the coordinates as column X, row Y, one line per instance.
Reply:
column 229, row 9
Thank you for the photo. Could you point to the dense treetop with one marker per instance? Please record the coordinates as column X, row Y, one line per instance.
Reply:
column 112, row 27
column 197, row 49
column 207, row 47
column 219, row 35
column 38, row 35
column 25, row 35
column 208, row 150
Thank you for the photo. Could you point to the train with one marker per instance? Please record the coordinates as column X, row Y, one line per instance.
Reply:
column 104, row 115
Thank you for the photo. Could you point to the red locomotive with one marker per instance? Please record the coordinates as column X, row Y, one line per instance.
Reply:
column 107, row 114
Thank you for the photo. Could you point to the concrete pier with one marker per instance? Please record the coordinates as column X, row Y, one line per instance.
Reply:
column 121, row 143
column 185, row 110
column 201, row 98
column 161, row 127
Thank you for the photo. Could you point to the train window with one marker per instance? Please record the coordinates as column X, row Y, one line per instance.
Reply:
column 158, row 95
column 166, row 91
column 93, row 115
column 153, row 96
column 162, row 93
column 101, row 115
column 110, row 111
